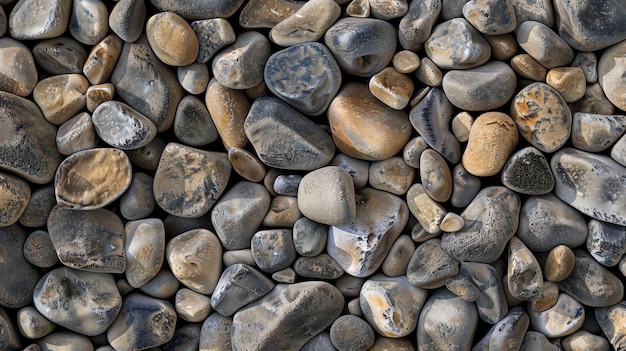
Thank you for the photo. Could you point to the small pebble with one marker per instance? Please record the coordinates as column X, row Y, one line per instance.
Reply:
column 527, row 67
column 266, row 14
column 321, row 267
column 244, row 256
column 228, row 109
column 596, row 132
column 286, row 276
column 392, row 88
column 428, row 212
column 588, row 62
column 192, row 306
column 351, row 333
column 392, row 175
column 39, row 250
column 503, row 47
column 452, row 222
column 148, row 156
column 584, row 340
column 308, row 24
column 412, row 152
column 358, row 8
column 569, row 81
column 559, row 263
column 163, row 286
column 32, row 324
column 215, row 333
column 76, row 134
column 61, row 55
column 397, row 260
column 464, row 186
column 32, row 20
column 19, row 74
column 464, row 45
column 406, row 61
column 507, row 334
column 491, row 17
column 327, row 196
column 611, row 320
column 89, row 22
column 527, row 172
column 102, row 59
column 524, row 275
column 273, row 250
column 65, row 340
column 14, row 195
column 283, row 212
column 193, row 124
column 416, row 26
column 138, row 201
column 213, row 35
column 145, row 250
column 606, row 242
column 246, row 164
column 491, row 303
column 548, row 297
column 97, row 94
column 429, row 73
column 309, row 237
column 435, row 175
column 121, row 126
column 358, row 169
column 194, row 77
column 17, row 276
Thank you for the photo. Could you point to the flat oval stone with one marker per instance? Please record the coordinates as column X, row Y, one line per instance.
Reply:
column 31, row 323
column 267, row 14
column 544, row 45
column 528, row 172
column 405, row 61
column 412, row 151
column 569, row 81
column 503, row 46
column 455, row 44
column 309, row 237
column 61, row 55
column 362, row 46
column 527, row 67
column 319, row 267
column 606, row 242
column 92, row 178
column 143, row 322
column 215, row 333
column 396, row 262
column 199, row 9
column 145, row 250
column 102, row 59
column 89, row 22
column 14, row 197
column 463, row 287
column 121, row 126
column 246, row 164
column 361, row 246
column 213, row 35
column 172, row 39
column 365, row 128
column 435, row 175
column 611, row 320
column 491, row 303
column 238, row 286
column 300, row 310
column 127, row 19
column 138, row 201
column 427, row 211
column 482, row 88
column 84, row 302
column 228, row 109
column 416, row 25
column 17, row 276
column 306, row 76
column 566, row 317
column 273, row 250
column 611, row 74
column 524, row 275
column 507, row 334
column 240, row 65
column 591, row 183
column 61, row 97
column 596, row 132
column 431, row 266
column 18, row 74
column 195, row 258
column 88, row 240
column 39, row 250
column 491, row 17
column 326, row 195
column 76, row 134
column 308, row 24
column 188, row 181
column 286, row 139
column 192, row 306
column 559, row 263
column 542, row 116
column 33, row 19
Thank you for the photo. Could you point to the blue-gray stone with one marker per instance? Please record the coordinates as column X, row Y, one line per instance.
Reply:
column 238, row 286
column 199, row 9
column 416, row 25
column 491, row 303
column 61, row 55
column 606, row 242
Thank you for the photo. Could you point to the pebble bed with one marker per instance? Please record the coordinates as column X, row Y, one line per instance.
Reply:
column 342, row 175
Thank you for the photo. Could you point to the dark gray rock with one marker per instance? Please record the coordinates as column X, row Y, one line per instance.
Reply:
column 61, row 55
column 238, row 286
column 321, row 342
column 287, row 184
column 527, row 172
column 464, row 186
column 606, row 242
column 127, row 19
column 215, row 333
column 491, row 303
column 273, row 250
column 431, row 266
column 351, row 333
column 399, row 256
column 186, row 338
column 42, row 200
column 319, row 267
column 17, row 276
column 39, row 250
column 193, row 124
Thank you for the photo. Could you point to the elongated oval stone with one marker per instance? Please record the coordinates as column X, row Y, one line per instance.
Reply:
column 172, row 39
column 102, row 59
column 145, row 250
column 17, row 276
column 199, row 9
column 121, row 126
column 544, row 45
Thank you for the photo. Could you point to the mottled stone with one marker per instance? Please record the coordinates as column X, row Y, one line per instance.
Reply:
column 570, row 82
column 412, row 152
column 362, row 46
column 606, row 242
column 186, row 338
column 97, row 94
column 148, row 156
column 273, row 250
column 491, row 17
column 349, row 286
column 429, row 74
column 611, row 320
column 33, row 19
column 563, row 319
column 228, row 109
column 527, row 67
column 503, row 47
column 18, row 74
column 391, row 87
column 524, row 275
column 283, row 212
column 547, row 298
column 428, row 212
column 543, row 44
column 246, row 164
column 319, row 267
column 507, row 334
column 361, row 246
column 102, row 59
column 326, row 195
column 596, row 132
column 194, row 77
column 388, row 9
column 188, row 181
column 588, row 62
column 65, row 340
column 399, row 256
column 358, row 169
column 584, row 340
column 143, row 322
column 14, row 198
column 308, row 24
column 163, row 286
column 534, row 341
column 89, row 22
column 121, row 126
column 287, row 184
column 192, row 306
column 491, row 303
column 559, row 263
column 240, row 65
column 594, row 101
column 215, row 333
column 193, row 124
column 138, row 201
column 17, row 276
column 267, row 13
column 456, row 44
column 528, row 172
column 31, row 323
column 464, row 186
column 463, row 287
column 127, row 19
column 435, row 175
column 39, row 250
column 61, row 97
column 287, row 317
column 145, row 250
column 88, row 240
column 392, row 175
column 321, row 342
column 405, row 61
column 199, row 9
column 286, row 276
column 350, row 332
column 195, row 258
column 172, row 39
column 61, row 55
column 611, row 74
column 309, row 237
column 213, row 35
column 431, row 266
column 84, row 302
column 238, row 286
column 415, row 27
column 358, row 8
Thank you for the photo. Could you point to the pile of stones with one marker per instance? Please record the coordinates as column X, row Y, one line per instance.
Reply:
column 322, row 175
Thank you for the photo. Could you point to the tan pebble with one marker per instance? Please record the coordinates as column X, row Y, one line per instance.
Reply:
column 267, row 14
column 388, row 9
column 97, row 94
column 192, row 306
column 14, row 197
column 61, row 97
column 76, row 134
column 461, row 126
column 145, row 250
column 528, row 67
column 503, row 47
column 406, row 61
column 413, row 151
column 391, row 87
column 428, row 212
column 18, row 74
column 229, row 109
column 559, row 264
column 435, row 175
column 419, row 95
column 392, row 175
column 491, row 141
column 428, row 73
column 308, row 24
column 547, row 298
column 358, row 8
column 246, row 164
column 102, row 59
column 284, row 212
column 569, row 81
column 452, row 222
column 172, row 39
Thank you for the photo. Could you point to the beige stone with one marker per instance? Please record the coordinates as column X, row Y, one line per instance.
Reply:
column 102, row 59
column 61, row 97
column 14, row 197
column 392, row 175
column 308, row 24
column 461, row 126
column 326, row 195
column 452, row 222
column 358, row 8
column 246, row 164
column 428, row 212
column 18, row 74
column 428, row 73
column 569, row 81
column 405, row 61
column 97, row 94
column 172, row 39
column 559, row 264
column 392, row 88
column 228, row 109
column 283, row 212
column 503, row 47
column 528, row 67
column 548, row 297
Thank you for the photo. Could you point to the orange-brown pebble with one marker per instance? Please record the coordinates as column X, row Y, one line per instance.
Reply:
column 392, row 87
column 559, row 264
column 172, row 39
column 229, row 109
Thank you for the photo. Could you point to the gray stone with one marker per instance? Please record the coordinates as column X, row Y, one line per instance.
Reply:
column 358, row 169
column 319, row 267
column 463, row 287
column 163, row 286
column 309, row 237
column 491, row 17
column 65, row 340
column 200, row 9
column 89, row 22
column 588, row 62
column 491, row 303
column 415, row 27
column 138, row 201
column 145, row 250
column 31, row 323
column 596, row 132
column 534, row 341
column 240, row 65
column 193, row 125
column 308, row 24
column 611, row 320
column 127, row 19
column 563, row 319
column 524, row 275
column 39, row 250
column 194, row 78
column 76, row 134
column 544, row 45
column 430, row 266
column 321, row 342
column 351, row 333
column 61, row 55
column 238, row 286
column 213, row 34
column 14, row 196
column 539, row 11
column 606, row 242
column 327, row 196
column 349, row 286
column 464, row 186
column 192, row 306
column 427, row 211
column 611, row 73
column 273, row 250
column 17, row 276
column 148, row 156
column 267, row 14
column 215, row 333
column 287, row 185
column 399, row 256
column 456, row 44
column 186, row 338
column 435, row 175
column 32, row 19
column 412, row 151
column 287, row 276
column 528, row 172
column 232, row 257
column 121, row 126
column 618, row 152
column 429, row 74
column 507, row 334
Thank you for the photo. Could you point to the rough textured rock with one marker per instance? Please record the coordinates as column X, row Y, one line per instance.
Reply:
column 596, row 132
column 319, row 267
column 17, row 276
column 14, row 198
column 215, row 333
column 524, row 275
column 32, row 19
column 415, row 27
column 213, row 35
column 61, row 55
column 350, row 332
column 528, row 172
column 606, row 242
column 611, row 320
column 31, row 323
column 430, row 266
column 172, row 39
column 39, row 250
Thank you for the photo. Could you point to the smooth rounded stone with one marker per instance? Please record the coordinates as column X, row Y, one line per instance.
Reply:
column 361, row 247
column 283, row 212
column 163, row 286
column 232, row 257
column 39, row 250
column 306, row 76
column 559, row 263
column 463, row 287
column 286, row 276
column 405, row 61
column 193, row 124
column 228, row 109
column 240, row 65
column 362, row 46
column 565, row 318
column 570, row 82
column 527, row 67
column 32, row 324
column 415, row 27
column 435, row 175
column 18, row 74
column 195, row 258
column 482, row 88
column 388, row 9
column 192, row 306
column 591, row 284
column 92, row 179
column 215, row 333
column 326, row 195
column 391, row 87
column 611, row 320
column 547, row 299
column 358, row 8
column 17, row 276
column 267, row 14
column 594, row 101
column 611, row 73
column 319, row 267
column 524, row 275
column 148, row 156
column 544, row 45
column 127, row 19
column 273, row 250
column 320, row 342
column 89, row 22
column 246, row 164
column 587, row 26
column 172, row 39
column 83, row 302
column 430, row 266
column 64, row 340
column 139, row 76
column 213, row 35
column 61, row 55
column 431, row 118
column 138, row 202
column 391, row 304
column 427, row 211
column 88, row 240
column 491, row 17
column 287, row 317
column 588, row 63
column 238, row 286
column 534, row 341
column 194, row 77
column 308, row 24
column 358, row 169
column 76, row 134
column 452, row 222
column 188, row 181
column 102, row 59
column 491, row 303
column 584, row 340
column 606, row 242
column 596, row 132
column 507, row 334
column 121, row 126
column 527, row 172
column 145, row 250
column 14, row 198
column 456, row 44
column 186, row 338
column 199, row 9
column 34, row 20
column 428, row 73
column 143, row 322
column 61, row 97
column 392, row 175
column 356, row 116
column 503, row 47
column 591, row 183
column 412, row 152
column 309, row 237
column 294, row 143
column 351, row 333
column 464, row 186
column 399, row 256
column 439, row 326
column 287, row 184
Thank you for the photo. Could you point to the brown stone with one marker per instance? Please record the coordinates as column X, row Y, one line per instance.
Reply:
column 246, row 164
column 97, row 94
column 172, row 39
column 61, row 97
column 102, row 59
column 528, row 67
column 391, row 87
column 18, row 74
column 14, row 197
column 228, row 109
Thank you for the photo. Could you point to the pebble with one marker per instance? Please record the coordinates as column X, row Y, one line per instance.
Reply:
column 238, row 286
column 143, row 322
column 416, row 26
column 240, row 65
column 186, row 338
column 524, row 275
column 464, row 186
column 198, row 9
column 392, row 175
column 611, row 320
column 320, row 342
column 18, row 72
column 388, row 9
column 195, row 258
column 491, row 17
column 391, row 304
column 184, row 170
column 92, row 240
column 61, row 97
column 456, row 44
column 427, row 211
column 172, row 39
column 163, row 286
column 483, row 88
column 308, row 24
column 194, row 77
column 611, row 72
column 228, row 109
column 491, row 303
column 349, row 285
column 594, row 101
column 61, row 55
column 39, row 250
column 528, row 172
column 138, row 202
column 33, row 20
column 358, row 169
column 351, row 333
column 193, row 124
column 273, row 250
column 362, row 46
column 89, row 22
column 287, row 184
column 559, row 263
column 507, row 334
column 148, row 156
column 283, row 212
column 17, row 276
column 452, row 222
column 65, row 340
column 232, row 257
column 412, row 152
column 534, row 340
column 606, row 242
column 14, row 195
column 547, row 298
column 391, row 87
column 361, row 246
column 127, row 19
column 527, row 67
column 215, row 333
column 584, row 340
column 355, row 116
column 399, row 256
column 544, row 45
column 31, row 323
column 97, row 94
column 431, row 266
column 121, row 126
column 435, row 175
column 267, row 14
column 327, row 196
column 428, row 73
column 309, row 237
column 213, row 35
column 565, row 318
column 405, row 61
column 286, row 276
column 596, row 132
column 83, row 302
column 145, row 250
column 569, row 81
column 246, row 164
column 503, row 47
column 192, row 306
column 358, row 8
column 588, row 62
column 300, row 310
column 102, row 59
column 319, row 267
